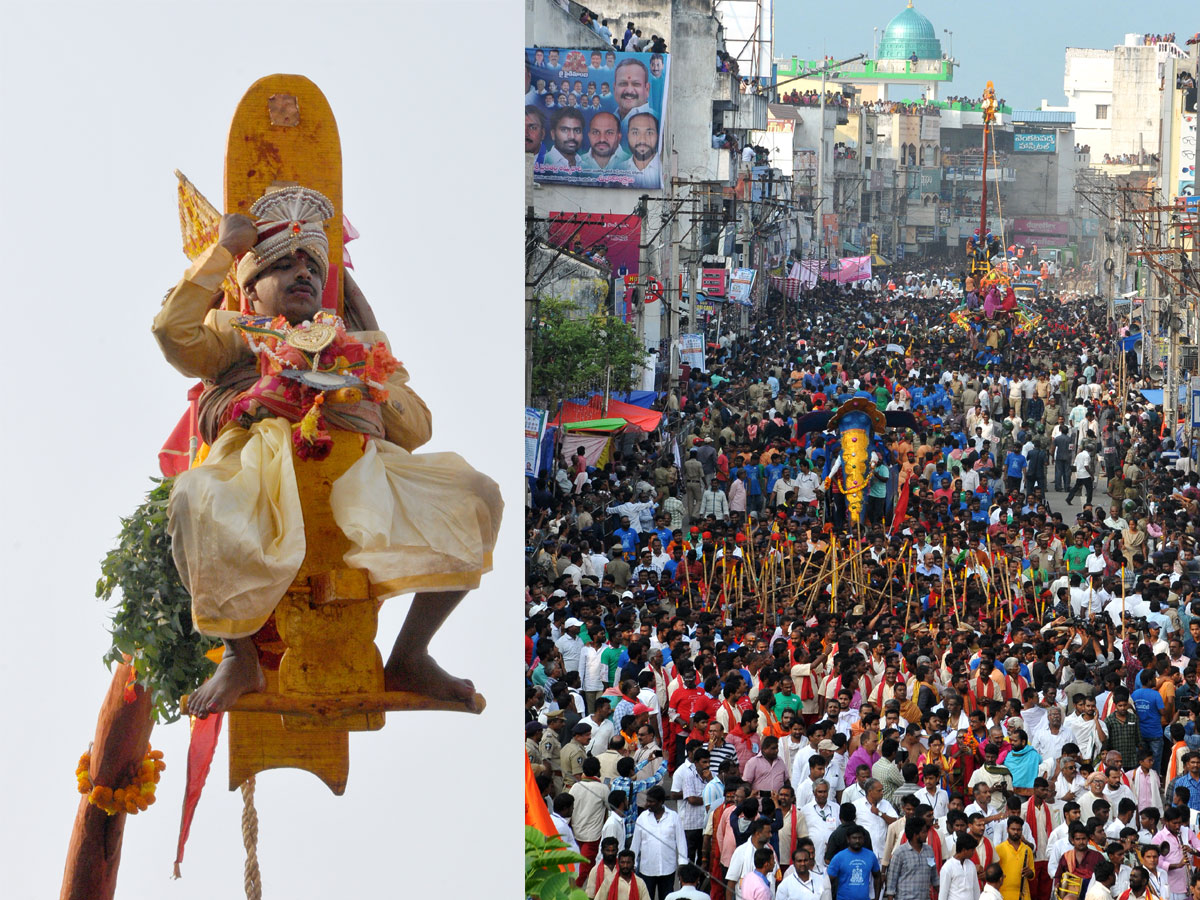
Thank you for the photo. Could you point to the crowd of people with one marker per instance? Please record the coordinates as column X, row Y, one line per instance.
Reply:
column 1130, row 159
column 988, row 685
column 813, row 98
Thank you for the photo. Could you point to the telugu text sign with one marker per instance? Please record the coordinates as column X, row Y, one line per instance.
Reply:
column 1035, row 142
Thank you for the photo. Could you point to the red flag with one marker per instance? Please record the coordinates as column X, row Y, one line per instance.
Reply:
column 200, row 755
column 901, row 507
column 176, row 454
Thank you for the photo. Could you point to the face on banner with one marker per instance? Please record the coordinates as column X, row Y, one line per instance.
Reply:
column 595, row 117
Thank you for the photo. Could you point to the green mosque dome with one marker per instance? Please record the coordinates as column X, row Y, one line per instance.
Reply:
column 909, row 33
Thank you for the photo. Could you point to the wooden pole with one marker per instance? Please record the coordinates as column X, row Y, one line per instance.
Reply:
column 122, row 737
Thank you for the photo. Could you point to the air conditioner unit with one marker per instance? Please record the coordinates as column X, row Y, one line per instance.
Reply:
column 1189, row 358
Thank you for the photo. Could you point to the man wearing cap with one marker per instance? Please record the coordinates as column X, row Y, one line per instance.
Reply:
column 570, row 646
column 571, row 756
column 619, row 568
column 551, row 747
column 694, row 482
column 533, row 747
column 237, row 565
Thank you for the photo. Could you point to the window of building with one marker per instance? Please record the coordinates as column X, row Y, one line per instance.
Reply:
column 1101, row 110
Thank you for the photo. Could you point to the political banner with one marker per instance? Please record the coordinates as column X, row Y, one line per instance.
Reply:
column 535, row 429
column 691, row 351
column 596, row 118
column 740, row 283
column 608, row 238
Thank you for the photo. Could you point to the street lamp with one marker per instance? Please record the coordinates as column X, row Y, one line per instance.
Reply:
column 875, row 42
column 951, row 34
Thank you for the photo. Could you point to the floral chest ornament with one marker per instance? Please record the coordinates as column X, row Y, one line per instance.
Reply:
column 308, row 365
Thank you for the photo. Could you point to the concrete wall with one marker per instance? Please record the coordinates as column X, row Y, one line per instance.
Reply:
column 1088, row 83
column 1136, row 100
column 548, row 25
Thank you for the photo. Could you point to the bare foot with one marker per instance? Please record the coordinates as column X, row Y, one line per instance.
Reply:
column 237, row 673
column 422, row 675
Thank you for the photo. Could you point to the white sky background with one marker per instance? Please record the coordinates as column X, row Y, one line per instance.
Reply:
column 99, row 102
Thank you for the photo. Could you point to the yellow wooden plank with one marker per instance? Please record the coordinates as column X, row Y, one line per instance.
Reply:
column 319, row 705
column 259, row 742
column 284, row 130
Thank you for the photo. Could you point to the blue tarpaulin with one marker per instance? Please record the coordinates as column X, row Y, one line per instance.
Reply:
column 1156, row 396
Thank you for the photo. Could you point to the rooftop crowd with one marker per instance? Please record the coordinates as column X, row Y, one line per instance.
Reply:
column 987, row 687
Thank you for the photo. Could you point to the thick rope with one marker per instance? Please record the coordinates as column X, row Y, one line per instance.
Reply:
column 253, row 881
column 1000, row 206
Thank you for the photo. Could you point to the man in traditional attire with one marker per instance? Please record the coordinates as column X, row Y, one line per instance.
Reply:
column 422, row 523
column 624, row 884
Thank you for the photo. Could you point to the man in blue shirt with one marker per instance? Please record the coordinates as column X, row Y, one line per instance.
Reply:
column 628, row 538
column 1190, row 779
column 854, row 872
column 774, row 470
column 1014, row 469
column 1148, row 704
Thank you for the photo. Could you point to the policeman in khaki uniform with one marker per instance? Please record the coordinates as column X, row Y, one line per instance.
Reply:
column 551, row 747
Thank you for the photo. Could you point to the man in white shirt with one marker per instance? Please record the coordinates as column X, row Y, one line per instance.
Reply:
column 570, row 645
column 995, row 820
column 1050, row 738
column 1087, row 727
column 821, row 814
column 689, row 783
column 1115, row 789
column 783, row 484
column 592, row 672
column 801, row 882
column 936, row 798
column 659, row 843
column 958, row 878
column 806, row 485
column 874, row 813
column 1059, row 841
column 742, row 861
column 1069, row 785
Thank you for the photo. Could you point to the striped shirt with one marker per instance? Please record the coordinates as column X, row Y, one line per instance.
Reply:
column 634, row 786
column 911, row 873
column 718, row 755
column 690, row 783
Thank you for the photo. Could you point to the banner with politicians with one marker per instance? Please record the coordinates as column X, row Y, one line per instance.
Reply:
column 596, row 118
column 535, row 430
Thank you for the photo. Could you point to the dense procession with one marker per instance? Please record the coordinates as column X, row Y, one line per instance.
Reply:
column 981, row 682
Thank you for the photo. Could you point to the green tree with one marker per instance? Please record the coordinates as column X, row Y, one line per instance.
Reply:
column 573, row 353
column 152, row 617
column 545, row 857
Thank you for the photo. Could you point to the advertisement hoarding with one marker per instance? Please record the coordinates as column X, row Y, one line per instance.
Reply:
column 596, row 118
column 740, row 283
column 615, row 237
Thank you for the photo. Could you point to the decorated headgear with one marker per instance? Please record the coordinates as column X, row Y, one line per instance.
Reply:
column 288, row 219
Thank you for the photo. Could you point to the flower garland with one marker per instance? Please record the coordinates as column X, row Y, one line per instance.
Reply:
column 133, row 797
column 321, row 345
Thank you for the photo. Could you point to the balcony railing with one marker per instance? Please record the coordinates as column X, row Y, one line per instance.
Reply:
column 750, row 114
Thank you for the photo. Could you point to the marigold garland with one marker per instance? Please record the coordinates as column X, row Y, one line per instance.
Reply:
column 131, row 798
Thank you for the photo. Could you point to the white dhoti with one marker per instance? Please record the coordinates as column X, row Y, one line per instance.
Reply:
column 415, row 522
